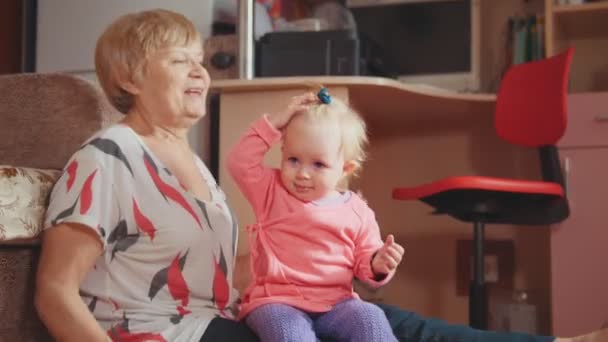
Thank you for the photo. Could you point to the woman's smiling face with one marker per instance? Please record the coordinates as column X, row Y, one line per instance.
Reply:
column 173, row 85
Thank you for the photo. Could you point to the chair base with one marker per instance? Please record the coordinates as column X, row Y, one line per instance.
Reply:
column 478, row 306
column 478, row 294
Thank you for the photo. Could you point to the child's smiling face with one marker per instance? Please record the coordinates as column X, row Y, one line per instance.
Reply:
column 312, row 160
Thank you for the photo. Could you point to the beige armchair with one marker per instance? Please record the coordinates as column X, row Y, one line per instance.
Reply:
column 43, row 120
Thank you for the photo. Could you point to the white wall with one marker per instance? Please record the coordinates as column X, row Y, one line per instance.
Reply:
column 67, row 31
column 225, row 10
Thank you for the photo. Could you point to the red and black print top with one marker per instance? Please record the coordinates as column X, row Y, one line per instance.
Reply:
column 167, row 266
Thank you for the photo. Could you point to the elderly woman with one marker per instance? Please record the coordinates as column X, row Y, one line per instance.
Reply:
column 139, row 242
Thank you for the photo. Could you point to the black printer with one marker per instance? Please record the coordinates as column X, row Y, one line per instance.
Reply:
column 307, row 53
column 316, row 53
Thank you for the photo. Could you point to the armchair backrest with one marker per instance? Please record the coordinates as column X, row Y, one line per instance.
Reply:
column 45, row 117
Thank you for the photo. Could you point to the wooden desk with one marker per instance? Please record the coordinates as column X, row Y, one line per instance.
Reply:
column 417, row 134
column 376, row 98
column 388, row 106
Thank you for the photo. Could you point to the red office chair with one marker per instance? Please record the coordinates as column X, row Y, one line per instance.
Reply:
column 530, row 111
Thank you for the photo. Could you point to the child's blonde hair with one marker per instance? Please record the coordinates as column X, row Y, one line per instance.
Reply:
column 353, row 131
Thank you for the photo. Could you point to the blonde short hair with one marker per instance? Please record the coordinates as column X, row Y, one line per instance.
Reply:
column 353, row 131
column 123, row 47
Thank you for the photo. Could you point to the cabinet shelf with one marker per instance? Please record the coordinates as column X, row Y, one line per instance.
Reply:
column 580, row 8
column 583, row 27
column 583, row 20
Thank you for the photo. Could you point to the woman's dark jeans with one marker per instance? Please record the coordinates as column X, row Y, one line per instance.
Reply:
column 407, row 326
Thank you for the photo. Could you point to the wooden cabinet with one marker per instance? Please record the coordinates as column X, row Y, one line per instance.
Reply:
column 587, row 121
column 583, row 26
column 579, row 245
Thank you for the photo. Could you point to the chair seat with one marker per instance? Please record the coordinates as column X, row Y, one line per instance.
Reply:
column 479, row 183
column 492, row 200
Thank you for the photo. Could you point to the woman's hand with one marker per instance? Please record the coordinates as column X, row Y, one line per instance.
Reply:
column 388, row 257
column 297, row 104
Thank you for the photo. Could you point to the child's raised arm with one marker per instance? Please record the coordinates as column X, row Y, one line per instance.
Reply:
column 245, row 162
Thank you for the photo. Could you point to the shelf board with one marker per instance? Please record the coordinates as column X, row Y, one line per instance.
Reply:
column 586, row 7
column 584, row 21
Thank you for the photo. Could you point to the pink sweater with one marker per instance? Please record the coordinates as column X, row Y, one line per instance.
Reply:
column 302, row 254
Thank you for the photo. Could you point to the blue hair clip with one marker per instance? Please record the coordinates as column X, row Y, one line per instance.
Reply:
column 324, row 96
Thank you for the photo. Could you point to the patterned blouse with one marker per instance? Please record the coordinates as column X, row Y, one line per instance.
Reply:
column 167, row 266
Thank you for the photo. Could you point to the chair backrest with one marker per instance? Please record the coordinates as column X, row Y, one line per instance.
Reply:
column 531, row 107
column 45, row 117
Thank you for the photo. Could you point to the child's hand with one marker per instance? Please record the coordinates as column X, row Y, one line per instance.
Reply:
column 388, row 257
column 298, row 103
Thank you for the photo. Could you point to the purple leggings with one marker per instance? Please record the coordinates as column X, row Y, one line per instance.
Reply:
column 350, row 320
